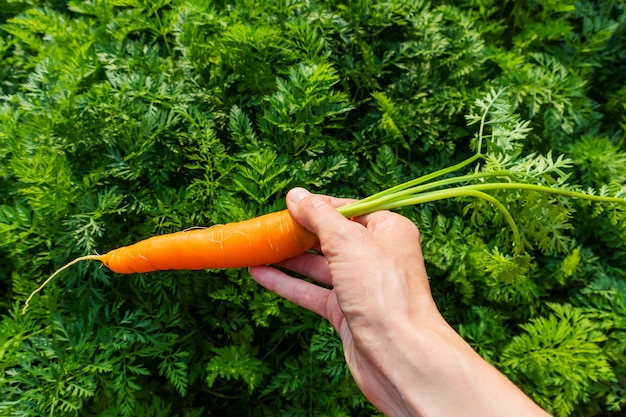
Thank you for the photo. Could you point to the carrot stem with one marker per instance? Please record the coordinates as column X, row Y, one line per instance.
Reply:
column 362, row 207
column 423, row 179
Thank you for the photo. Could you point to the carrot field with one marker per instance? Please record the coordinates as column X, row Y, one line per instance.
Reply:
column 126, row 119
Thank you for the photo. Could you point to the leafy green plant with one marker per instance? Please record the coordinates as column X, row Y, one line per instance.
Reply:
column 124, row 119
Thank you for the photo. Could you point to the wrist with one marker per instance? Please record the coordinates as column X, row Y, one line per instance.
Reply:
column 436, row 373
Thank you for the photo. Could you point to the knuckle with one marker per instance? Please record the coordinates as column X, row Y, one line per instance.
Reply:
column 316, row 203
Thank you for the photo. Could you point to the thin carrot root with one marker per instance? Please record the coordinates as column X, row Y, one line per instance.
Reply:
column 79, row 259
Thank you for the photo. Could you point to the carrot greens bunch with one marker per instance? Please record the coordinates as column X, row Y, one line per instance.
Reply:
column 500, row 168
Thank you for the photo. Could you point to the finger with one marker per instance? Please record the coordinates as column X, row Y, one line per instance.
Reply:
column 334, row 201
column 310, row 265
column 389, row 226
column 318, row 214
column 303, row 293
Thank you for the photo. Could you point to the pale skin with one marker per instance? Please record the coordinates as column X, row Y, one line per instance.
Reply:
column 404, row 356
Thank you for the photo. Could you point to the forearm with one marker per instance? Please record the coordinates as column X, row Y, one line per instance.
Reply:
column 436, row 373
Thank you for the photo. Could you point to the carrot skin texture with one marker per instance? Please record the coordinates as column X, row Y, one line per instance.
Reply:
column 266, row 239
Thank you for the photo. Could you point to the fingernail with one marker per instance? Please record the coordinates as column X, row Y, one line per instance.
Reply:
column 297, row 194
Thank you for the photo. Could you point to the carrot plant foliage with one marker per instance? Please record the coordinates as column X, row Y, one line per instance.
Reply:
column 123, row 119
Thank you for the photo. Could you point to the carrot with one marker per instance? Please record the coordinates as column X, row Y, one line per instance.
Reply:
column 277, row 236
column 262, row 240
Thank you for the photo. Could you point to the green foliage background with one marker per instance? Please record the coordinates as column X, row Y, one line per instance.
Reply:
column 127, row 118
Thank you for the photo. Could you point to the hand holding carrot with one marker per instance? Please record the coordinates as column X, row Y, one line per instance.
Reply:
column 403, row 355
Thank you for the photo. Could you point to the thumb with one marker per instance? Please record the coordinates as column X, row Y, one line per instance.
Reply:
column 317, row 213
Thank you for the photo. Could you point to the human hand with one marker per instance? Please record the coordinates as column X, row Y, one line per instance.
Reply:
column 375, row 269
column 374, row 290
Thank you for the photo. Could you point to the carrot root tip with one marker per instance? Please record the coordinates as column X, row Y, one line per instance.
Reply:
column 57, row 272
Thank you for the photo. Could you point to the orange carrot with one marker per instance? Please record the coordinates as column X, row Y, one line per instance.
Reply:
column 262, row 240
